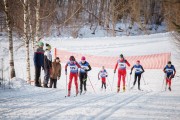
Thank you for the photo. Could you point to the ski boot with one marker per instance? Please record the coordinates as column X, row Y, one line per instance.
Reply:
column 45, row 86
column 118, row 89
column 169, row 88
column 69, row 93
column 124, row 89
column 80, row 92
column 77, row 92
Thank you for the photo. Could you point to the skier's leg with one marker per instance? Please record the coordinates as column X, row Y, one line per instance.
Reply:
column 69, row 84
column 46, row 77
column 139, row 78
column 76, row 82
column 85, row 79
column 124, row 81
column 119, row 81
column 81, row 82
column 135, row 79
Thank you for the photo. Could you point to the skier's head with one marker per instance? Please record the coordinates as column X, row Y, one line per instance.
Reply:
column 57, row 59
column 138, row 62
column 169, row 63
column 48, row 47
column 72, row 58
column 40, row 44
column 121, row 56
column 103, row 67
column 83, row 59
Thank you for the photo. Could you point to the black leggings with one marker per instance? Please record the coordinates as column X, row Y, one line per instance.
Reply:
column 135, row 79
column 103, row 84
column 83, row 79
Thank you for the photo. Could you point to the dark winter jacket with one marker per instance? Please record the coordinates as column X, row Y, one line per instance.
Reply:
column 39, row 57
column 47, row 60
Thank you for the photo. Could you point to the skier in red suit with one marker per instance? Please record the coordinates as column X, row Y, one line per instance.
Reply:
column 121, row 64
column 73, row 65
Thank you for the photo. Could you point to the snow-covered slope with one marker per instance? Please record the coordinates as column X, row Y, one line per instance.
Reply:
column 24, row 101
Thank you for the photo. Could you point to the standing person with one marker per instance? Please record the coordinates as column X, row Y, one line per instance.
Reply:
column 73, row 65
column 121, row 64
column 103, row 74
column 85, row 67
column 170, row 72
column 38, row 63
column 47, row 65
column 55, row 72
column 138, row 71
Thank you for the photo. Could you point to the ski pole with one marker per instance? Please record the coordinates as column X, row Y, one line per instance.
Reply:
column 113, row 79
column 144, row 80
column 163, row 82
column 91, row 84
column 66, row 84
column 130, row 81
column 109, row 84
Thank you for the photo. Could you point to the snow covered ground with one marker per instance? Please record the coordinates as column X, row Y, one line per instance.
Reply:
column 23, row 101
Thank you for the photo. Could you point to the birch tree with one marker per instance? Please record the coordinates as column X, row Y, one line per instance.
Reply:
column 9, row 30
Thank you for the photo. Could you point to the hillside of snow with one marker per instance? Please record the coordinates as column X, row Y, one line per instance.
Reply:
column 20, row 100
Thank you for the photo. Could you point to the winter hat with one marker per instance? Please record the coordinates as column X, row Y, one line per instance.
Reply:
column 138, row 61
column 57, row 58
column 40, row 44
column 72, row 58
column 48, row 47
column 121, row 56
column 169, row 62
column 83, row 58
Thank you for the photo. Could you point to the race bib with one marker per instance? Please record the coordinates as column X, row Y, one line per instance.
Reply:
column 122, row 65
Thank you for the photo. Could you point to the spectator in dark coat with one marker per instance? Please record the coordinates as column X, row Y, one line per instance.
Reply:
column 38, row 62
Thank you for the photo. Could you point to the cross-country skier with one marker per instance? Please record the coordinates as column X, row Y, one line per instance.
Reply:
column 38, row 62
column 47, row 65
column 103, row 74
column 138, row 71
column 73, row 65
column 170, row 72
column 55, row 72
column 121, row 64
column 85, row 67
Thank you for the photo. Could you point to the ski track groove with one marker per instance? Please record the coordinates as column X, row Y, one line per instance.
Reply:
column 108, row 111
column 50, row 114
column 3, row 100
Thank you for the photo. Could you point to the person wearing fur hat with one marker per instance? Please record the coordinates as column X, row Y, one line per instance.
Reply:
column 47, row 65
column 38, row 62
column 121, row 64
column 138, row 71
column 55, row 72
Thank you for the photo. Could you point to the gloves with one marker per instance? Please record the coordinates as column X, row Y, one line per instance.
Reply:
column 42, row 67
column 114, row 71
column 98, row 78
column 130, row 73
column 58, row 78
column 106, row 75
column 172, row 76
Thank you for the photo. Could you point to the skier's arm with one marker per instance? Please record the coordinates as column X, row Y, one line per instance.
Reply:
column 78, row 65
column 35, row 58
column 132, row 70
column 142, row 69
column 115, row 67
column 164, row 70
column 66, row 68
column 128, row 63
column 89, row 68
column 98, row 76
column 174, row 71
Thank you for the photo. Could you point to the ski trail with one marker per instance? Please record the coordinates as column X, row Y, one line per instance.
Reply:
column 60, row 110
column 108, row 111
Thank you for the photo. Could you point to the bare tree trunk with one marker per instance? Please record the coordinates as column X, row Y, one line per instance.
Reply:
column 30, row 27
column 9, row 29
column 38, row 21
column 26, row 39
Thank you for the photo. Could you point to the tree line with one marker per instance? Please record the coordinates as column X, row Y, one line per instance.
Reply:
column 32, row 20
